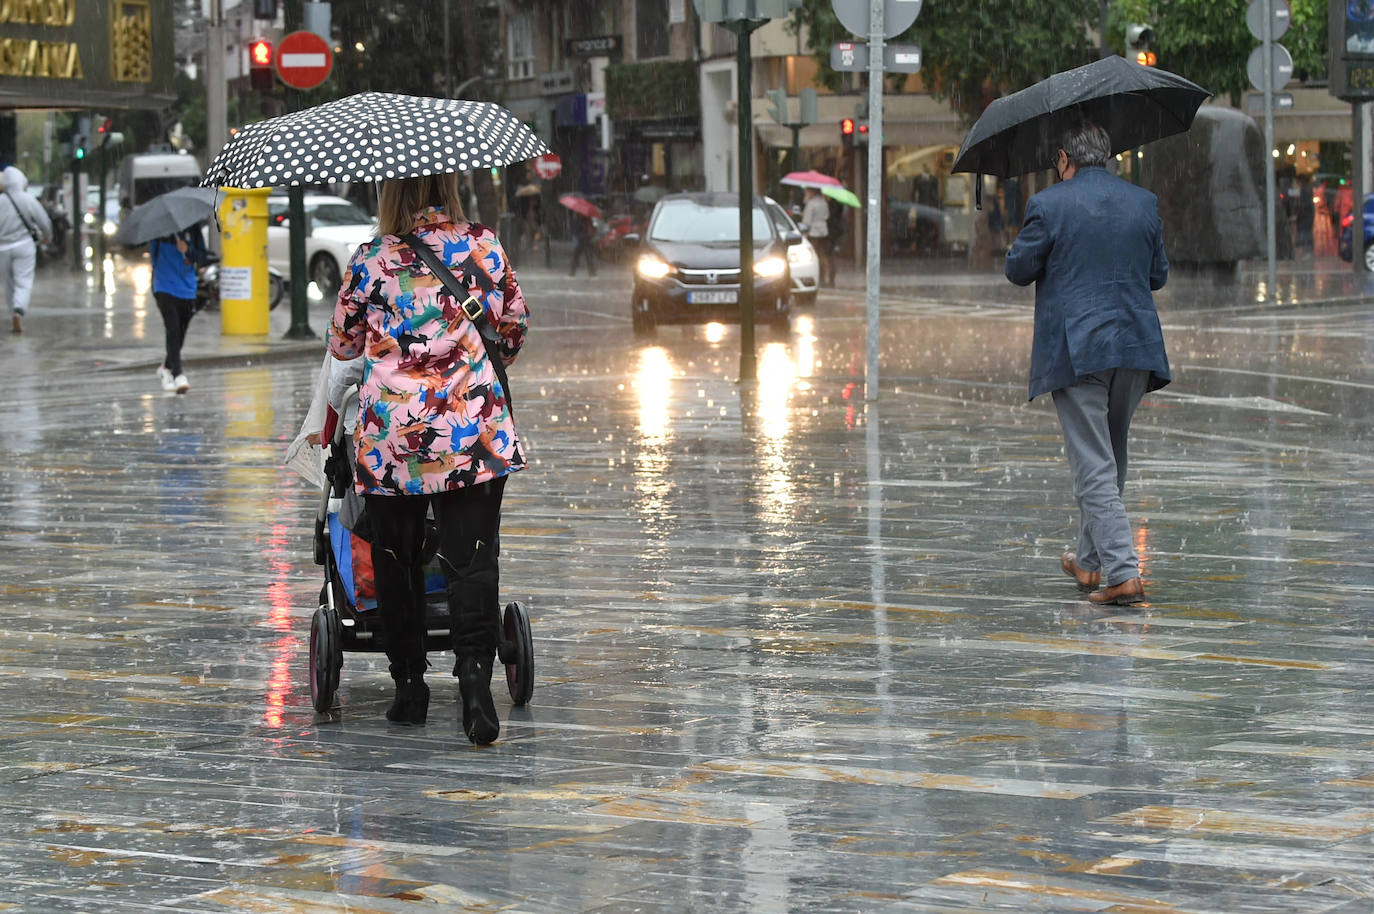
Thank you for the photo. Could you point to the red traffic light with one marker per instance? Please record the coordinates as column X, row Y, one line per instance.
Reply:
column 847, row 126
column 1145, row 58
column 260, row 53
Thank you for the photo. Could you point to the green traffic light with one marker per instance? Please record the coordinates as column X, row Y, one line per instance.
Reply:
column 81, row 153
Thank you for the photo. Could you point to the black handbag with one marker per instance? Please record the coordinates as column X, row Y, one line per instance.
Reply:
column 471, row 307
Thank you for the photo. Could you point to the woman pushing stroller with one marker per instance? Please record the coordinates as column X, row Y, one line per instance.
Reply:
column 435, row 430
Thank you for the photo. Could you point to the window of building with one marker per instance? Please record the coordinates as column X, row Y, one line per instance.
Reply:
column 520, row 46
column 651, row 28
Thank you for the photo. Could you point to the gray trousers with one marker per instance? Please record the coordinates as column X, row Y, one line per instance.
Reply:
column 1095, row 415
column 16, row 275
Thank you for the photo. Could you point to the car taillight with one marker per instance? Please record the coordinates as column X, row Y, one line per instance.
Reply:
column 1348, row 220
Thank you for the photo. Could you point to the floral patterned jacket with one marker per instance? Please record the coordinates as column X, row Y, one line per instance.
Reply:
column 432, row 415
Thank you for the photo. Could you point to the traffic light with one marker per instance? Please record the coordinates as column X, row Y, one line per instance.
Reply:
column 78, row 147
column 847, row 131
column 265, row 9
column 777, row 105
column 260, row 64
column 1139, row 44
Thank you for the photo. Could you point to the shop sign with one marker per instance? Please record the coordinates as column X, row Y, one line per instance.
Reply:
column 556, row 83
column 600, row 46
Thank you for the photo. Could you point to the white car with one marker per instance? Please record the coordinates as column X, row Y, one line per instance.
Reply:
column 334, row 229
column 801, row 258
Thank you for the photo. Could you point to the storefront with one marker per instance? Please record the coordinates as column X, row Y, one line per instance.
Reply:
column 83, row 54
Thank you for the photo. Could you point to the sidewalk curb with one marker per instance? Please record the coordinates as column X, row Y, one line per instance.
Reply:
column 274, row 352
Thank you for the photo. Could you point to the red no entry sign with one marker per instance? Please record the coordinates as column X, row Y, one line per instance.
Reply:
column 548, row 166
column 304, row 60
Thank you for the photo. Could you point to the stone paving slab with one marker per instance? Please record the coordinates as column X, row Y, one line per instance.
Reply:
column 795, row 652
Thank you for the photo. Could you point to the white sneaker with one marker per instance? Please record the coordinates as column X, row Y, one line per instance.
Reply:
column 169, row 383
column 182, row 385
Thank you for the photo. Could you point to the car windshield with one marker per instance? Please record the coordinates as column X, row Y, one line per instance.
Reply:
column 340, row 214
column 690, row 221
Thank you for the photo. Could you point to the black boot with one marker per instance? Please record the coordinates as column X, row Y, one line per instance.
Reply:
column 479, row 711
column 411, row 705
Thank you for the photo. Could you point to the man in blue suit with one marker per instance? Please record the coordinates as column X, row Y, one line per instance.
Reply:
column 1094, row 248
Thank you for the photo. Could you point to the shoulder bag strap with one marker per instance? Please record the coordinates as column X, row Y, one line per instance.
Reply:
column 20, row 213
column 471, row 307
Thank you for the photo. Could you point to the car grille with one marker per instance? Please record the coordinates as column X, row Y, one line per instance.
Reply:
column 703, row 277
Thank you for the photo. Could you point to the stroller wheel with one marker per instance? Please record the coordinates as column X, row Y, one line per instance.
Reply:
column 517, row 653
column 326, row 659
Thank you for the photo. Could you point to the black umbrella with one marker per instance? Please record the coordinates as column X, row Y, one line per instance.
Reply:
column 166, row 213
column 373, row 136
column 1021, row 132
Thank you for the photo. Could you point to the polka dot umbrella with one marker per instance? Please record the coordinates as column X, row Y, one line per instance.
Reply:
column 372, row 136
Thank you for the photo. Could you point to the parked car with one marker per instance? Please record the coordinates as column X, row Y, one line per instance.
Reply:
column 1347, row 226
column 802, row 263
column 334, row 229
column 688, row 268
column 919, row 226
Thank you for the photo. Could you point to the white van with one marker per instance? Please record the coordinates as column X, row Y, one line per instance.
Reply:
column 145, row 175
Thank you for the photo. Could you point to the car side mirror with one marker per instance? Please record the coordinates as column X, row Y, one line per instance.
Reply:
column 792, row 238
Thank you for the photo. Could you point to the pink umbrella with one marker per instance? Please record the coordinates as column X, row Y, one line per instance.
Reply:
column 810, row 179
column 580, row 204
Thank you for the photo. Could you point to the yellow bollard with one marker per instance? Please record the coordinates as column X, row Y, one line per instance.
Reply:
column 243, row 282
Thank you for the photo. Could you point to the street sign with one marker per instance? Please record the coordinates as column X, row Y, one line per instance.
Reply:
column 902, row 58
column 849, row 56
column 1282, row 18
column 897, row 15
column 1282, row 62
column 304, row 60
column 548, row 166
column 1281, row 100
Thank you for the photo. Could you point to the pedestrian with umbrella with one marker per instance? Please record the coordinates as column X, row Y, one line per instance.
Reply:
column 432, row 307
column 172, row 225
column 584, row 212
column 816, row 218
column 1094, row 247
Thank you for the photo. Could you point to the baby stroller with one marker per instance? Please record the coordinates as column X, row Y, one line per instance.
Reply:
column 348, row 620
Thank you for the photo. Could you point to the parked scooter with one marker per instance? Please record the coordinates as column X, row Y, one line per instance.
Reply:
column 207, row 286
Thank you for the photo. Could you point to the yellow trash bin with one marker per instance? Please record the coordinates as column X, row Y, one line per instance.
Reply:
column 243, row 281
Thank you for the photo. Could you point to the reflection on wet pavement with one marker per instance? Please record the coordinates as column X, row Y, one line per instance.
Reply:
column 795, row 651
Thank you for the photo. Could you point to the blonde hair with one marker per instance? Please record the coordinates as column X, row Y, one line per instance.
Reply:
column 402, row 198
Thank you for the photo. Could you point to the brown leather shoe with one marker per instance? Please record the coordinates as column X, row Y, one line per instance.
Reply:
column 17, row 323
column 1087, row 580
column 1123, row 594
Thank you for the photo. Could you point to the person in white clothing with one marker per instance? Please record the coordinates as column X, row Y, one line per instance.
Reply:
column 816, row 215
column 23, row 224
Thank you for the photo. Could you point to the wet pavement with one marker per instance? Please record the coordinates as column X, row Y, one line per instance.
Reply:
column 795, row 652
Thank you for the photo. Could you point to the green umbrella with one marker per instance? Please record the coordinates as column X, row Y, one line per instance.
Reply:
column 842, row 195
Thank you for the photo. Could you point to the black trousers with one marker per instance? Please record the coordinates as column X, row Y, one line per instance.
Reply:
column 468, row 523
column 176, row 317
column 584, row 249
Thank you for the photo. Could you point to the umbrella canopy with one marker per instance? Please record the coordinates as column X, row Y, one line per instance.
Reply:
column 842, row 195
column 373, row 136
column 166, row 214
column 527, row 190
column 810, row 179
column 580, row 204
column 1019, row 133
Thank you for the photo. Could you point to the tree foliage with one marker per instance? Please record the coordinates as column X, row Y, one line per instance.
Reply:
column 1208, row 41
column 975, row 52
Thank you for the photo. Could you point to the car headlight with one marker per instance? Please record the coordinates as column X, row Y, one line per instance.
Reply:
column 652, row 267
column 770, row 267
column 110, row 228
column 88, row 218
column 800, row 254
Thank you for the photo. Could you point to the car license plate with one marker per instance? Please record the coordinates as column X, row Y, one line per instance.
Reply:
column 713, row 297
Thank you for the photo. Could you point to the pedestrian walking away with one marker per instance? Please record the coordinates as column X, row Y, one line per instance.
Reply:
column 1094, row 247
column 24, row 225
column 435, row 430
column 816, row 215
column 584, row 243
column 175, row 259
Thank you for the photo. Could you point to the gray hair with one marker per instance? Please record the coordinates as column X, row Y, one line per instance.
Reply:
column 1087, row 144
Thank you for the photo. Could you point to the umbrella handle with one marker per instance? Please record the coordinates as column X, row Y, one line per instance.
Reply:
column 978, row 193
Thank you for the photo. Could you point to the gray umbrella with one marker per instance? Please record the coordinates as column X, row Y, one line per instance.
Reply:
column 166, row 214
column 373, row 136
column 1020, row 133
